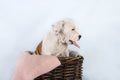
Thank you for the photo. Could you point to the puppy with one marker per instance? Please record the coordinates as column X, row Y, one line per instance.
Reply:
column 62, row 34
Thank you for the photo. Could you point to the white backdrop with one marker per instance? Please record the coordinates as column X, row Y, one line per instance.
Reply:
column 23, row 23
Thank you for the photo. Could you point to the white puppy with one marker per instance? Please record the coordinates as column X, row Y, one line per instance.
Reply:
column 56, row 41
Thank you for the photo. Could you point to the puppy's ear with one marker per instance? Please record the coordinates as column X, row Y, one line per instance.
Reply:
column 58, row 27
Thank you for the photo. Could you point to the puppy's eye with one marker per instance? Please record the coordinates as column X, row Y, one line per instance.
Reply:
column 73, row 29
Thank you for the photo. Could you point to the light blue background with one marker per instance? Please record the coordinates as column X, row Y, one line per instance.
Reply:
column 23, row 23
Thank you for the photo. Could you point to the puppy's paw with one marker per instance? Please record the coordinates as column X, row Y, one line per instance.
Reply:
column 63, row 55
column 74, row 54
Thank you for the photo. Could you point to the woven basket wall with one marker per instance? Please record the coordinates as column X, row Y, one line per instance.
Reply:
column 70, row 69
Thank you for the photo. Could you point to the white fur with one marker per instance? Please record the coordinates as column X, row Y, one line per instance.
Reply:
column 56, row 41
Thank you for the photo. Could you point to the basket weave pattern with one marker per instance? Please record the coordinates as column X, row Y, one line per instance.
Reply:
column 70, row 69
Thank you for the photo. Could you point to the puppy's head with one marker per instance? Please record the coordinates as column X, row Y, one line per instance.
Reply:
column 67, row 30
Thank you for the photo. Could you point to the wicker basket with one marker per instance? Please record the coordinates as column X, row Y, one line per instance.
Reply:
column 70, row 69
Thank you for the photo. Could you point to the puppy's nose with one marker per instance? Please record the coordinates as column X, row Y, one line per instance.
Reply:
column 79, row 36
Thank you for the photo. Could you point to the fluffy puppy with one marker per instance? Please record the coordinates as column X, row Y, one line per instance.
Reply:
column 55, row 42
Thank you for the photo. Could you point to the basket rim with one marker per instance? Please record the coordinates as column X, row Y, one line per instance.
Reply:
column 69, row 59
